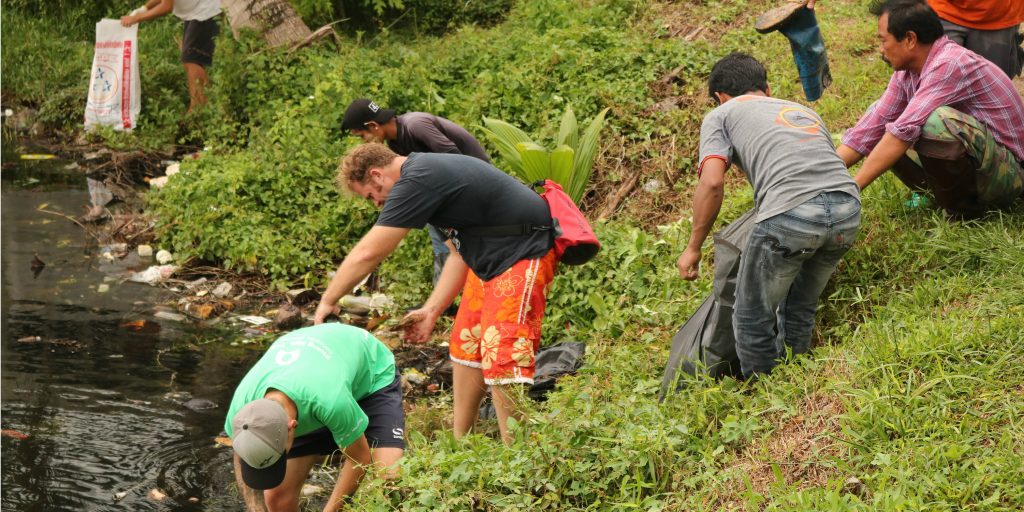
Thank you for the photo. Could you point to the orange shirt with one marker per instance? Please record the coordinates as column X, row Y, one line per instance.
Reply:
column 980, row 14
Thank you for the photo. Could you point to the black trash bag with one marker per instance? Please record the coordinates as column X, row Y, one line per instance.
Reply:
column 705, row 344
column 562, row 358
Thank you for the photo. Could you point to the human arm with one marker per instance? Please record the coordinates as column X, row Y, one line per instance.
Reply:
column 881, row 159
column 849, row 155
column 357, row 459
column 870, row 128
column 943, row 85
column 449, row 284
column 253, row 498
column 707, row 201
column 152, row 10
column 379, row 242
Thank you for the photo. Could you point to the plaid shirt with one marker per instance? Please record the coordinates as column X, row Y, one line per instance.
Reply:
column 952, row 76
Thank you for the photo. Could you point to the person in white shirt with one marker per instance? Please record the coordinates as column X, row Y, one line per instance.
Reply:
column 197, row 45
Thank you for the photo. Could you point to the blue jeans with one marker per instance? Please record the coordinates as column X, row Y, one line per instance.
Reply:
column 785, row 267
column 440, row 251
column 437, row 241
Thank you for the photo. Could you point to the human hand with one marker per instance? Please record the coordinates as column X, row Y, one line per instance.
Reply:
column 127, row 21
column 689, row 264
column 324, row 310
column 419, row 324
column 810, row 4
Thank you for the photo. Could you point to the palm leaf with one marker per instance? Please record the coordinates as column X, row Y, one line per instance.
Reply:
column 536, row 161
column 569, row 131
column 505, row 137
column 562, row 164
column 585, row 154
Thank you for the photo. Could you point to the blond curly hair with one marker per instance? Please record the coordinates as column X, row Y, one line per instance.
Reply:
column 358, row 162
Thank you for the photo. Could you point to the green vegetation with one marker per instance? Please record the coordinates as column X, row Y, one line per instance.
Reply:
column 46, row 58
column 915, row 388
column 569, row 164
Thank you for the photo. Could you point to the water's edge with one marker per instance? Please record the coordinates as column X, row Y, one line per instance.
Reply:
column 95, row 390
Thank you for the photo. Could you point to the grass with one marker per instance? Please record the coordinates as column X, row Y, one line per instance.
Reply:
column 911, row 401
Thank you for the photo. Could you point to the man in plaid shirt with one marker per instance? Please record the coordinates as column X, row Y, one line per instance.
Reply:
column 950, row 122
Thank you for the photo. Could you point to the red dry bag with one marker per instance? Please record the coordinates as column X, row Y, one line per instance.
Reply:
column 575, row 241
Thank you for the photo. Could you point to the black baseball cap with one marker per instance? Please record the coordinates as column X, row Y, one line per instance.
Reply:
column 363, row 111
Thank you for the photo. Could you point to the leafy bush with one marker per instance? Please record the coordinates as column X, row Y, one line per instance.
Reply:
column 281, row 113
column 75, row 19
column 280, row 217
column 426, row 16
column 437, row 16
column 569, row 164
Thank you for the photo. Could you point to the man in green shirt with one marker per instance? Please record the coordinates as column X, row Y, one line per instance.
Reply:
column 316, row 390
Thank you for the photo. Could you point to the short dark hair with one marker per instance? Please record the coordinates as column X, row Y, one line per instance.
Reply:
column 909, row 16
column 737, row 74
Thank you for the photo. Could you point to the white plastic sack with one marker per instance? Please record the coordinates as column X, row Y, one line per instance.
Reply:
column 115, row 96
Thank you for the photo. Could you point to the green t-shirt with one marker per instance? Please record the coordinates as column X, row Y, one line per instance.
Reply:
column 325, row 369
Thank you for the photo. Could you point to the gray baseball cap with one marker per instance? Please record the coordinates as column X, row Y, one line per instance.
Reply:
column 260, row 433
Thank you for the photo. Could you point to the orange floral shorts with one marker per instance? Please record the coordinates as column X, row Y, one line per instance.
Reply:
column 497, row 328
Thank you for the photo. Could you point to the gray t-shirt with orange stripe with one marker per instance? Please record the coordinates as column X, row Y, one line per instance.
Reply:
column 782, row 147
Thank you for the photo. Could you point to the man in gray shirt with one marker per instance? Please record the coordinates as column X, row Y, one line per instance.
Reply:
column 412, row 132
column 808, row 209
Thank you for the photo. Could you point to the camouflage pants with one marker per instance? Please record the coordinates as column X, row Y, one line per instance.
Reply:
column 959, row 162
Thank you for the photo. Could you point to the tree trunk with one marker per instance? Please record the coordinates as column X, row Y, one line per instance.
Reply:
column 276, row 20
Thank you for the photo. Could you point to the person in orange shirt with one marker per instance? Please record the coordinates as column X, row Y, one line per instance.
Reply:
column 986, row 27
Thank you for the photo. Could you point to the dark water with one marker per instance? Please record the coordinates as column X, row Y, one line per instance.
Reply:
column 101, row 404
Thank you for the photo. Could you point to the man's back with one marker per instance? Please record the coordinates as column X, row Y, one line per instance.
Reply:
column 783, row 148
column 325, row 370
column 420, row 132
column 453, row 192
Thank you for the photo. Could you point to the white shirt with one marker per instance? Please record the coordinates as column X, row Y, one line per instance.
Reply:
column 196, row 9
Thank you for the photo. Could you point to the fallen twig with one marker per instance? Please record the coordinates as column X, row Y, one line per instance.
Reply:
column 613, row 203
column 68, row 217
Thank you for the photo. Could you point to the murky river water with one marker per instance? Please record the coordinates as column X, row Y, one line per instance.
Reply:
column 93, row 412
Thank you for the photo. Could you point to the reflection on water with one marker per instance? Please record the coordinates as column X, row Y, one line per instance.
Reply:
column 100, row 399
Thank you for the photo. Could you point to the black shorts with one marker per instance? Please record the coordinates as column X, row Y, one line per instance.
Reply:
column 197, row 44
column 386, row 428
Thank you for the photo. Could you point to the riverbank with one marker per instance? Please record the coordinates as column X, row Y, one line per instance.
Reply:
column 117, row 369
